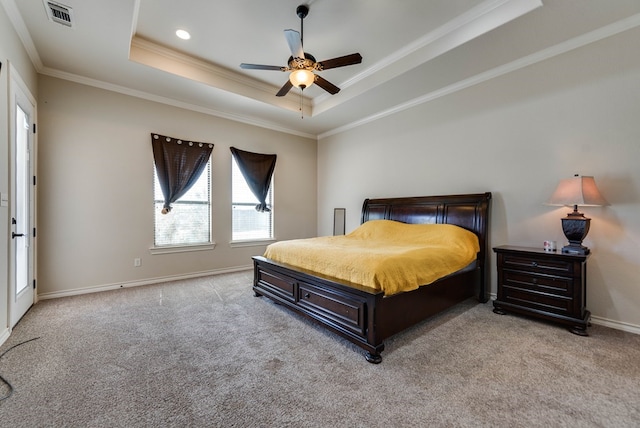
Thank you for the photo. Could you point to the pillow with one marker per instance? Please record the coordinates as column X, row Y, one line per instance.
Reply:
column 395, row 232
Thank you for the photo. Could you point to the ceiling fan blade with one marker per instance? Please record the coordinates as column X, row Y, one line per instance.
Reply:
column 285, row 89
column 262, row 67
column 326, row 85
column 295, row 43
column 340, row 61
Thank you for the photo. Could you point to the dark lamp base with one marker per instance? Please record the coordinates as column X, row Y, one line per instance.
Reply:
column 575, row 249
column 575, row 227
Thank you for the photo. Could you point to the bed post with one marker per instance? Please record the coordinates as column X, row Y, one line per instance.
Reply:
column 483, row 233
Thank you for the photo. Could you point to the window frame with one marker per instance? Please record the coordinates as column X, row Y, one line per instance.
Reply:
column 159, row 199
column 253, row 241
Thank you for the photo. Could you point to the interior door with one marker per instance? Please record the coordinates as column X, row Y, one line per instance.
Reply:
column 21, row 197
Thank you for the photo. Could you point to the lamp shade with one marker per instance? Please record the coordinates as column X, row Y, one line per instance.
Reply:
column 577, row 191
column 301, row 78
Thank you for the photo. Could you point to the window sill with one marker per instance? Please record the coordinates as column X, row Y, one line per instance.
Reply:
column 182, row 248
column 251, row 243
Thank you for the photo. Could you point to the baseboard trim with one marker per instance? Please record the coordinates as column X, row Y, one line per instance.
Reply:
column 617, row 325
column 138, row 283
column 4, row 335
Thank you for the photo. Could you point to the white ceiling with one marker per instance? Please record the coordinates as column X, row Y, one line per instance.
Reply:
column 413, row 50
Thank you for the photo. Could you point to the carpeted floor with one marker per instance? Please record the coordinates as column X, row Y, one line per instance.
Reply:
column 206, row 352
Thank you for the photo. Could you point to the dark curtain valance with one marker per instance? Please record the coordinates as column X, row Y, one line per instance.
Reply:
column 179, row 164
column 257, row 169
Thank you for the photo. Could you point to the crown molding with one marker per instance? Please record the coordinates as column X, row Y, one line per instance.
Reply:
column 160, row 57
column 172, row 102
column 477, row 21
column 18, row 24
column 542, row 55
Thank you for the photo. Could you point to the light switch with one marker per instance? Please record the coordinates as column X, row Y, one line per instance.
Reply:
column 4, row 199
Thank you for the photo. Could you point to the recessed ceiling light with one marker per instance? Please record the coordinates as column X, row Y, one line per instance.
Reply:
column 183, row 34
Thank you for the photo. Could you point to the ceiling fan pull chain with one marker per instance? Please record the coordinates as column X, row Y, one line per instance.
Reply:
column 301, row 105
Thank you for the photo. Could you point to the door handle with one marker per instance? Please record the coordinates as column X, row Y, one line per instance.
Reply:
column 15, row 235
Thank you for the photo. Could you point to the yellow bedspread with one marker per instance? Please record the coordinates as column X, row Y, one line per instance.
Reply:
column 383, row 254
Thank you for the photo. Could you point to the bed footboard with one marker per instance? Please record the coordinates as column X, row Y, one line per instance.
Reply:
column 347, row 311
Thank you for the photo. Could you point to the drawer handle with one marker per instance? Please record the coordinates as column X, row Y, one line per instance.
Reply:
column 534, row 264
column 307, row 295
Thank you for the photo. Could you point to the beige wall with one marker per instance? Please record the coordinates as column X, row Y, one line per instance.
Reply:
column 516, row 136
column 11, row 52
column 95, row 178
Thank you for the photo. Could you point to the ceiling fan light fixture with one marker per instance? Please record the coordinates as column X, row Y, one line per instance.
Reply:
column 301, row 78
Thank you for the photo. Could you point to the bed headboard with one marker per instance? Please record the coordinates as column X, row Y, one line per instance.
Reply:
column 468, row 211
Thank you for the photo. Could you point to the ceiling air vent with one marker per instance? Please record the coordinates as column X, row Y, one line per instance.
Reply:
column 59, row 13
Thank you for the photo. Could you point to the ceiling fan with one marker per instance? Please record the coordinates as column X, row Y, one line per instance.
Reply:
column 302, row 65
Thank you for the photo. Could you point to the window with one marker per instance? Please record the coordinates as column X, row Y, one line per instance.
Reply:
column 189, row 222
column 247, row 223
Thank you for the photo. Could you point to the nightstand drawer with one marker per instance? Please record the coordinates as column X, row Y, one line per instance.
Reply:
column 556, row 285
column 542, row 265
column 538, row 301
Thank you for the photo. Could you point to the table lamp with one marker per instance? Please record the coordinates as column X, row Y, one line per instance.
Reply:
column 576, row 191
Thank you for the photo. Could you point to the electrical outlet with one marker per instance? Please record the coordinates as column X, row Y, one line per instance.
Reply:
column 137, row 262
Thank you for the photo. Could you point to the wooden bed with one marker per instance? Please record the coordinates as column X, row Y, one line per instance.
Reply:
column 364, row 316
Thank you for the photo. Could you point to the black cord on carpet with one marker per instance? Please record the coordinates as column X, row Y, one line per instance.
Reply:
column 2, row 378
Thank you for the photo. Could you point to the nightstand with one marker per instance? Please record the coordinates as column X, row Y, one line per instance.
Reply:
column 547, row 285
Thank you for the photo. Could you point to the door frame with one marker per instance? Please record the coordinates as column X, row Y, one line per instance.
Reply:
column 19, row 94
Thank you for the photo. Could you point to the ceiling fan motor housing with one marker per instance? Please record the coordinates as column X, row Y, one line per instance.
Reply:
column 308, row 63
